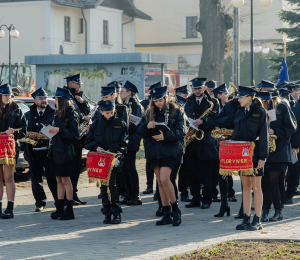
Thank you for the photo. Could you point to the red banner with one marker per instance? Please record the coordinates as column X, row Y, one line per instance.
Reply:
column 236, row 157
column 7, row 149
column 100, row 165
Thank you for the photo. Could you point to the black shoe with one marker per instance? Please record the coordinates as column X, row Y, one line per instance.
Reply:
column 124, row 201
column 166, row 219
column 159, row 212
column 100, row 196
column 134, row 202
column 75, row 203
column 117, row 219
column 149, row 190
column 39, row 208
column 224, row 209
column 8, row 213
column 244, row 224
column 59, row 204
column 255, row 225
column 232, row 199
column 193, row 204
column 76, row 199
column 185, row 198
column 277, row 216
column 68, row 214
column 176, row 214
column 107, row 219
column 0, row 208
column 155, row 197
column 265, row 215
column 205, row 205
column 240, row 215
column 216, row 199
column 288, row 201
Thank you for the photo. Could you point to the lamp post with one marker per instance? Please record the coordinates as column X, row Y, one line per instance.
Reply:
column 13, row 32
column 238, row 4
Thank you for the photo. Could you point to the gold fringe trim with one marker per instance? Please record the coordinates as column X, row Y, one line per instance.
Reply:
column 246, row 172
column 8, row 161
column 253, row 146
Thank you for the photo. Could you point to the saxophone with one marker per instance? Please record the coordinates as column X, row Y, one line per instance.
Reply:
column 84, row 125
column 198, row 134
column 33, row 138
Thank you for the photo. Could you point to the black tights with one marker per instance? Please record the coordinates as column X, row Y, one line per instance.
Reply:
column 271, row 192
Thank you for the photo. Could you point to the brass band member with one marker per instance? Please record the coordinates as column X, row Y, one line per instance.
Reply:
column 11, row 117
column 164, row 147
column 62, row 152
column 283, row 127
column 39, row 115
column 131, row 177
column 203, row 154
column 109, row 133
column 251, row 123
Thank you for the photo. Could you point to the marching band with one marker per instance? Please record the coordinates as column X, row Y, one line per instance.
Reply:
column 204, row 138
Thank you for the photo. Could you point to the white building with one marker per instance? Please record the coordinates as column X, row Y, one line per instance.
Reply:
column 58, row 26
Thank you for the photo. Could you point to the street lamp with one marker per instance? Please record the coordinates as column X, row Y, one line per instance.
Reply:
column 13, row 32
column 238, row 4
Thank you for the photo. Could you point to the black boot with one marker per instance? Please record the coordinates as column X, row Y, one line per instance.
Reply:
column 0, row 208
column 255, row 225
column 265, row 215
column 107, row 219
column 244, row 224
column 59, row 204
column 159, row 212
column 166, row 219
column 8, row 213
column 117, row 218
column 277, row 216
column 68, row 214
column 176, row 214
column 223, row 209
column 240, row 215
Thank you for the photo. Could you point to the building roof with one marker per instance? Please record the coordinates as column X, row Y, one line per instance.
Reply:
column 126, row 5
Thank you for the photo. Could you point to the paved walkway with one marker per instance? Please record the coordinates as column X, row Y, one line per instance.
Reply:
column 33, row 235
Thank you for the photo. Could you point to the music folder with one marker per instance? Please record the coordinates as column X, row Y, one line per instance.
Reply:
column 162, row 126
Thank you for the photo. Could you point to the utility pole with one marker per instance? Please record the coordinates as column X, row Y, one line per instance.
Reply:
column 236, row 47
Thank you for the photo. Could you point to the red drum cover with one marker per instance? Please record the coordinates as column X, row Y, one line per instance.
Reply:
column 99, row 166
column 236, row 158
column 7, row 149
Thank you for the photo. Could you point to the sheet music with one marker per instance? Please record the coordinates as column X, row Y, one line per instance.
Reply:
column 191, row 123
column 162, row 124
column 272, row 114
column 45, row 131
column 134, row 119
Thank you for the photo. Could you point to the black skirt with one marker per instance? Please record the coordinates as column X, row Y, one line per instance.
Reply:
column 61, row 170
column 276, row 167
column 165, row 162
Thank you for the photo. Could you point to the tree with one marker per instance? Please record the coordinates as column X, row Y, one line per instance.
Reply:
column 292, row 17
column 213, row 25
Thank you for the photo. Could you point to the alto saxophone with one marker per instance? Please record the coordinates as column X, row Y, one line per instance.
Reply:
column 197, row 134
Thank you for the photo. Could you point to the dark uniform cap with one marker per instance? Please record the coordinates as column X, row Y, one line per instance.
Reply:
column 198, row 82
column 62, row 92
column 220, row 89
column 156, row 85
column 131, row 87
column 158, row 93
column 290, row 86
column 106, row 105
column 5, row 90
column 282, row 85
column 39, row 93
column 182, row 89
column 107, row 90
column 267, row 84
column 75, row 78
column 181, row 100
column 264, row 95
column 211, row 84
column 283, row 91
column 245, row 91
column 116, row 84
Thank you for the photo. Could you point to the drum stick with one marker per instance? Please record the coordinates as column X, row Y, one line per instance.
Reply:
column 14, row 131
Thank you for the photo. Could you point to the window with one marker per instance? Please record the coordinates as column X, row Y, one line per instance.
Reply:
column 191, row 22
column 67, row 29
column 105, row 32
column 81, row 25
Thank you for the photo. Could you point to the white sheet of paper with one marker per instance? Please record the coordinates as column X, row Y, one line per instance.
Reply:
column 41, row 148
column 134, row 119
column 45, row 131
column 191, row 123
column 272, row 114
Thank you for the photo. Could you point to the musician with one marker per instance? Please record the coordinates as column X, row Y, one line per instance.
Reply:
column 203, row 154
column 117, row 85
column 221, row 93
column 277, row 162
column 62, row 152
column 210, row 86
column 109, row 133
column 130, row 174
column 83, row 109
column 11, row 117
column 251, row 123
column 164, row 147
column 39, row 115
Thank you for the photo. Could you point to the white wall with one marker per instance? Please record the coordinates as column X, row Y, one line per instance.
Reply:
column 128, row 34
column 28, row 17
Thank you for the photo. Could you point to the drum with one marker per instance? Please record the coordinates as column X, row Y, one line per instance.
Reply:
column 100, row 165
column 7, row 149
column 236, row 158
